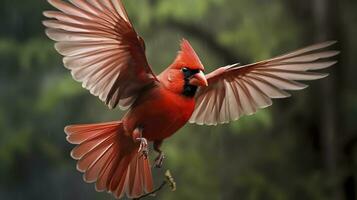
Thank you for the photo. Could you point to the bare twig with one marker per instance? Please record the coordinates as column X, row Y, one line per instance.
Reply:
column 153, row 192
column 169, row 180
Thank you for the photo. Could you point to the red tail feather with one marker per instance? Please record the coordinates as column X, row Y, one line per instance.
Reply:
column 110, row 158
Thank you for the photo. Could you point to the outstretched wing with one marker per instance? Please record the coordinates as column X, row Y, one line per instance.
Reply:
column 236, row 90
column 101, row 48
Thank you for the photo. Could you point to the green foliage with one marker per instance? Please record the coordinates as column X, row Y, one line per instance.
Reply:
column 260, row 121
column 56, row 89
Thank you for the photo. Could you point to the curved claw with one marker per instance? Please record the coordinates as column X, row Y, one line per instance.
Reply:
column 159, row 160
column 143, row 148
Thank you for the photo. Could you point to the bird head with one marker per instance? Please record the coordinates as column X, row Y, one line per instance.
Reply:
column 185, row 74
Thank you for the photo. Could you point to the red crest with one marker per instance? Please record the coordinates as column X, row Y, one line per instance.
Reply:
column 187, row 57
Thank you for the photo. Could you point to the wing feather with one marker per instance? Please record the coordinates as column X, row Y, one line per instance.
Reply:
column 101, row 48
column 236, row 90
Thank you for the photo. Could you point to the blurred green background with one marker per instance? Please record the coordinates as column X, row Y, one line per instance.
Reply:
column 303, row 147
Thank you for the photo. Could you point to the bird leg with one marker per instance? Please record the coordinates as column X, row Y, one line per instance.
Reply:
column 137, row 136
column 160, row 158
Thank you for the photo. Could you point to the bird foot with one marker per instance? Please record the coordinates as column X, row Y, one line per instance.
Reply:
column 143, row 148
column 159, row 160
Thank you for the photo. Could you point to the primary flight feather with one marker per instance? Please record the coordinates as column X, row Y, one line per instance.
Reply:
column 104, row 52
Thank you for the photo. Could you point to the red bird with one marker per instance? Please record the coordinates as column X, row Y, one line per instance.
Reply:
column 105, row 54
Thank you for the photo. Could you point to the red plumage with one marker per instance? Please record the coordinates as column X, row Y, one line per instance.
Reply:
column 187, row 57
column 105, row 54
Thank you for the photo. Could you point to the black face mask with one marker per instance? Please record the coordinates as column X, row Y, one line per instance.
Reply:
column 189, row 90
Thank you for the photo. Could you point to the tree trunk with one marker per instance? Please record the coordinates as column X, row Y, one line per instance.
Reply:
column 325, row 26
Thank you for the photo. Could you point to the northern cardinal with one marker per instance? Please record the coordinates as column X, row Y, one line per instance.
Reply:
column 105, row 54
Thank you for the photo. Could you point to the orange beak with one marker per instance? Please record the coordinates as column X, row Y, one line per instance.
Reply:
column 199, row 79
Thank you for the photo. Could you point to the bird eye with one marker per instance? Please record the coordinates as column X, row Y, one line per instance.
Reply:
column 185, row 69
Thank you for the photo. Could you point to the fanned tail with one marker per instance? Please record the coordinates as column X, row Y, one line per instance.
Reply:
column 110, row 158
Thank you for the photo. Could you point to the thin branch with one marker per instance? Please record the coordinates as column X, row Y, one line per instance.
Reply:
column 169, row 179
column 153, row 192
